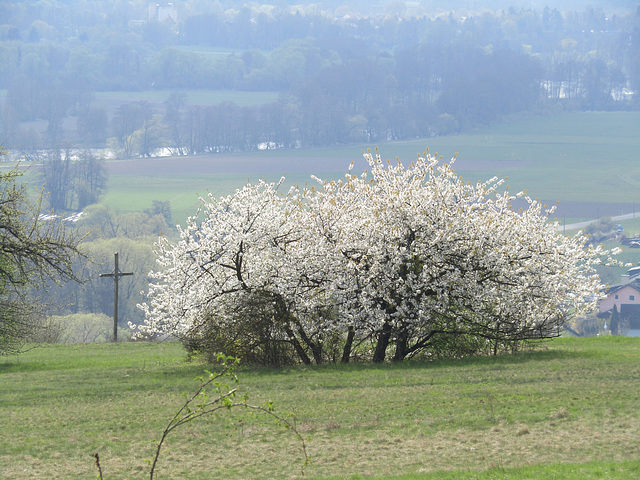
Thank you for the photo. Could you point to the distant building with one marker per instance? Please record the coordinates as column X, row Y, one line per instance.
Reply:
column 163, row 13
column 626, row 298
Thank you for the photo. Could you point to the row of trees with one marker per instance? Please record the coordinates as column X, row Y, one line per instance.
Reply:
column 406, row 261
column 335, row 107
column 340, row 79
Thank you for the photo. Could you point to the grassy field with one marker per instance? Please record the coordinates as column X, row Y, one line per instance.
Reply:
column 588, row 162
column 583, row 157
column 567, row 410
column 129, row 193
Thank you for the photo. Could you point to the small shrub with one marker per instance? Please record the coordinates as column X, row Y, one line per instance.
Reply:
column 47, row 330
column 84, row 328
column 561, row 413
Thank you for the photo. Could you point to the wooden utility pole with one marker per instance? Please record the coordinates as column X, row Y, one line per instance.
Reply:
column 116, row 274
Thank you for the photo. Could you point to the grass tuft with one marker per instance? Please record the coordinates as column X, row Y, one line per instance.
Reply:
column 560, row 413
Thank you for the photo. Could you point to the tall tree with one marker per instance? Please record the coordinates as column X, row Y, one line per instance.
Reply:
column 58, row 174
column 72, row 182
column 128, row 118
column 173, row 117
column 91, row 179
column 92, row 125
column 33, row 253
column 614, row 321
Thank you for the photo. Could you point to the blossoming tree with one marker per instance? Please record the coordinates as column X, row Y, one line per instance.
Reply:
column 398, row 260
column 240, row 276
column 428, row 257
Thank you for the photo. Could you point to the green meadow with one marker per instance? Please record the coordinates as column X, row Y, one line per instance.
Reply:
column 590, row 159
column 589, row 156
column 566, row 409
column 130, row 193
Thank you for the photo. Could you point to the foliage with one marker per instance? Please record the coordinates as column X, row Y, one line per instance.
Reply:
column 601, row 230
column 102, row 223
column 105, row 232
column 96, row 294
column 589, row 325
column 140, row 132
column 251, row 334
column 409, row 260
column 160, row 207
column 33, row 253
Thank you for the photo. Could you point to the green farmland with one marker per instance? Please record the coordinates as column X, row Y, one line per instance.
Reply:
column 581, row 157
column 568, row 409
column 588, row 162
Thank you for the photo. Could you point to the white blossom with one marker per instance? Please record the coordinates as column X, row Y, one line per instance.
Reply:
column 401, row 255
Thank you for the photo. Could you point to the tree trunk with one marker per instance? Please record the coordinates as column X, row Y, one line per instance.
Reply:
column 346, row 351
column 383, row 342
column 316, row 349
column 296, row 345
column 401, row 345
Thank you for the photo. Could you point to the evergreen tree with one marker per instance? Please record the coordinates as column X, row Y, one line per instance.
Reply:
column 614, row 321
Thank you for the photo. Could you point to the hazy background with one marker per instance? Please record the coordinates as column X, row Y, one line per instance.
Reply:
column 201, row 77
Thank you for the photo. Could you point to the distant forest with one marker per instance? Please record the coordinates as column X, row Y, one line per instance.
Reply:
column 362, row 72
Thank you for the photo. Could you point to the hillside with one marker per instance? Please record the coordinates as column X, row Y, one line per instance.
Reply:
column 585, row 162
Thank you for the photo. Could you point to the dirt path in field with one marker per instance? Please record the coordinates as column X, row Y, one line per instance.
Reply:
column 229, row 164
